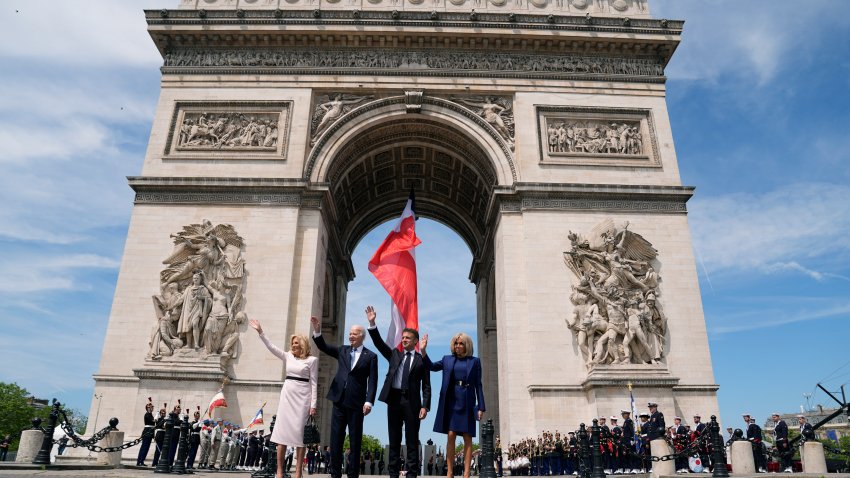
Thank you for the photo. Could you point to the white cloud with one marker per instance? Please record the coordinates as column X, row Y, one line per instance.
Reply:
column 774, row 231
column 752, row 39
column 51, row 142
column 90, row 33
column 34, row 274
column 781, row 313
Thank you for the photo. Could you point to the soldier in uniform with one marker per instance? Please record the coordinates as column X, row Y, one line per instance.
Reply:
column 627, row 440
column 806, row 429
column 224, row 448
column 159, row 436
column 175, row 432
column 194, row 439
column 780, row 434
column 206, row 437
column 616, row 437
column 558, row 461
column 700, row 430
column 754, row 436
column 215, row 443
column 253, row 450
column 680, row 442
column 147, row 434
column 605, row 444
column 571, row 466
column 655, row 426
column 644, row 440
column 499, row 464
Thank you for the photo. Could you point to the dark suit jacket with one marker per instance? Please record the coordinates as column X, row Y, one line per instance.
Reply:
column 754, row 433
column 351, row 387
column 473, row 377
column 419, row 380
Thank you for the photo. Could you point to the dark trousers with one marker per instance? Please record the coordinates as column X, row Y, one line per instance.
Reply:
column 344, row 417
column 400, row 413
column 785, row 452
column 193, row 452
column 143, row 450
column 758, row 456
column 159, row 451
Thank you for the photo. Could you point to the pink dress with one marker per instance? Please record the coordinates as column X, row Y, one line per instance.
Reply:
column 296, row 397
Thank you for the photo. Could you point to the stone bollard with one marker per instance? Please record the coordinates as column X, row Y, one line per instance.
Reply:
column 659, row 447
column 742, row 458
column 29, row 445
column 811, row 454
column 113, row 438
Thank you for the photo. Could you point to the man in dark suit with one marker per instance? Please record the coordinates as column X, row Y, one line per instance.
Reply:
column 407, row 393
column 352, row 393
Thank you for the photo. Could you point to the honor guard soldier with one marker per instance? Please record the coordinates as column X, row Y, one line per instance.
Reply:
column 680, row 442
column 699, row 431
column 806, row 429
column 571, row 467
column 655, row 426
column 644, row 440
column 780, row 435
column 627, row 440
column 560, row 460
column 159, row 436
column 605, row 444
column 147, row 434
column 175, row 432
column 194, row 439
column 616, row 437
column 755, row 437
column 206, row 436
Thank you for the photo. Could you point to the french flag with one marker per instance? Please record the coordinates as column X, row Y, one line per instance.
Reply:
column 258, row 418
column 394, row 265
column 217, row 401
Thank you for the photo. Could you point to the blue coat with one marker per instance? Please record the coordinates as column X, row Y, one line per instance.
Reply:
column 473, row 377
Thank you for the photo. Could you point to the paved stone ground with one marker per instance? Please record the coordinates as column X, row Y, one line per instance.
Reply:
column 148, row 473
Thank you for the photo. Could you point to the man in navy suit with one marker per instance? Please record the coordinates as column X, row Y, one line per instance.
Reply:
column 407, row 393
column 352, row 393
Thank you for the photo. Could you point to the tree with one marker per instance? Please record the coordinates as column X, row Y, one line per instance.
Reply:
column 370, row 444
column 16, row 413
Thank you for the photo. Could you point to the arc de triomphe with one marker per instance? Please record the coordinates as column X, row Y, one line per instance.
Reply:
column 536, row 129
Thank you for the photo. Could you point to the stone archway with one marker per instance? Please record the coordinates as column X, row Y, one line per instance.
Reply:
column 453, row 161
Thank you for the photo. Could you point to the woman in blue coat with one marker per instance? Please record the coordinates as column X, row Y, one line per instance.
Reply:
column 461, row 397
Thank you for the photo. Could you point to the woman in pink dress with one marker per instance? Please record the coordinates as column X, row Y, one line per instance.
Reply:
column 297, row 398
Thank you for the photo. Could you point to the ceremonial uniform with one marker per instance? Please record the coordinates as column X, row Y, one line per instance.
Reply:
column 807, row 431
column 194, row 442
column 780, row 434
column 206, row 435
column 699, row 431
column 754, row 436
column 680, row 442
column 147, row 436
column 159, row 438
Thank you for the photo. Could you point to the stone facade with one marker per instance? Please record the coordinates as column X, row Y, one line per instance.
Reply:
column 263, row 126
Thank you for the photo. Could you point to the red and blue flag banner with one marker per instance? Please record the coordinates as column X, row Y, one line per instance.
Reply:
column 258, row 418
column 394, row 265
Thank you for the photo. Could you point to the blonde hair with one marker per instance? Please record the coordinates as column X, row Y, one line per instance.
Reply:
column 467, row 341
column 303, row 342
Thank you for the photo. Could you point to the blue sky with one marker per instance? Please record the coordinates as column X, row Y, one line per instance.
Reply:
column 758, row 101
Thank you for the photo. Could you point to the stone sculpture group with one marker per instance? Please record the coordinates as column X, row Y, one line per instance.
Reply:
column 228, row 131
column 616, row 318
column 199, row 307
column 594, row 137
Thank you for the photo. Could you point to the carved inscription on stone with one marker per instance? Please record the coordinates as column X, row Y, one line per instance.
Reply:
column 472, row 63
column 238, row 129
column 597, row 136
column 617, row 317
column 199, row 306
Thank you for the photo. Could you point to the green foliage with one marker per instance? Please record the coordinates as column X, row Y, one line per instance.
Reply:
column 459, row 446
column 16, row 413
column 843, row 445
column 370, row 444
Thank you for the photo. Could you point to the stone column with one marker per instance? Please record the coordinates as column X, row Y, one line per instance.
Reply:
column 113, row 438
column 742, row 458
column 29, row 446
column 659, row 447
column 812, row 456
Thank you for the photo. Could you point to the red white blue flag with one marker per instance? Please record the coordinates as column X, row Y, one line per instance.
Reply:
column 394, row 265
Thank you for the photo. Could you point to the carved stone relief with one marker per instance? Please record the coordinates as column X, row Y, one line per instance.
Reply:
column 330, row 108
column 617, row 318
column 597, row 136
column 199, row 307
column 241, row 129
column 381, row 60
column 497, row 111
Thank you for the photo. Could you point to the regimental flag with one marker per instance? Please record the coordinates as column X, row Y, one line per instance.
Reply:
column 638, row 443
column 258, row 418
column 217, row 401
column 394, row 265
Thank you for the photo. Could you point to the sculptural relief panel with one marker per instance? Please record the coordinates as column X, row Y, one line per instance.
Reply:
column 238, row 130
column 199, row 308
column 597, row 136
column 617, row 316
column 632, row 8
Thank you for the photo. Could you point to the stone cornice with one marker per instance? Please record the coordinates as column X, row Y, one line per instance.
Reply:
column 485, row 31
column 229, row 191
column 591, row 197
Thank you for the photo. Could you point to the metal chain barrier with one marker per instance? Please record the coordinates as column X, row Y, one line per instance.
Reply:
column 90, row 443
